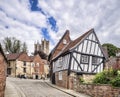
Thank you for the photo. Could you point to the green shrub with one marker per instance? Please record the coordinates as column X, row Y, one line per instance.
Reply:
column 105, row 76
column 116, row 82
column 108, row 77
column 101, row 78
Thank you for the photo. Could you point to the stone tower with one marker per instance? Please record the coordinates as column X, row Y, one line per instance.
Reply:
column 44, row 46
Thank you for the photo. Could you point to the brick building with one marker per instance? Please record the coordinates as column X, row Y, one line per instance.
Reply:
column 3, row 65
column 83, row 57
column 39, row 67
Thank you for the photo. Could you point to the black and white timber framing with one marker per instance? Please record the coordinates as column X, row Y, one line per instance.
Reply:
column 86, row 56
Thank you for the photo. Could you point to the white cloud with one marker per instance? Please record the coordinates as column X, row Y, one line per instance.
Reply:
column 76, row 15
column 81, row 15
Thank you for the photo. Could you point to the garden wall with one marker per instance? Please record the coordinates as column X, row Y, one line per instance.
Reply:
column 98, row 90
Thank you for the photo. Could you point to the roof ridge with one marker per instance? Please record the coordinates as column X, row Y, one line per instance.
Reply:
column 72, row 44
column 80, row 38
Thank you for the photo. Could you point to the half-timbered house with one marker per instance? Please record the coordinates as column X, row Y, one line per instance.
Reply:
column 83, row 56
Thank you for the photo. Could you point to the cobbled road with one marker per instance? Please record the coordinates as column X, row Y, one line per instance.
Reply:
column 33, row 88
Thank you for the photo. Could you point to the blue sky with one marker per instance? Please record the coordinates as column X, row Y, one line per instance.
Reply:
column 33, row 20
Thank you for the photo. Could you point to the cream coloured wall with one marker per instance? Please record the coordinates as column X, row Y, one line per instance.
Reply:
column 20, row 66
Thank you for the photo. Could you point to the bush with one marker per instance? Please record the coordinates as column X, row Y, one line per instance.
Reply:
column 116, row 82
column 101, row 78
column 108, row 77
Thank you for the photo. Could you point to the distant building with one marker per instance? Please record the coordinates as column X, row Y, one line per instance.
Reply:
column 29, row 66
column 19, row 64
column 39, row 67
column 44, row 46
column 3, row 67
column 82, row 57
column 113, row 62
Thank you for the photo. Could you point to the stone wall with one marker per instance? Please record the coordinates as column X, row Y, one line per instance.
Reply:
column 3, row 65
column 98, row 90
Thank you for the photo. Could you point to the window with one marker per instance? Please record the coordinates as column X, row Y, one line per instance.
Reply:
column 60, row 62
column 64, row 41
column 24, row 63
column 60, row 75
column 84, row 59
column 94, row 60
column 32, row 64
column 37, row 64
column 24, row 70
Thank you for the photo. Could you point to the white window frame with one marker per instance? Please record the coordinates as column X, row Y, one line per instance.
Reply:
column 64, row 41
column 59, row 62
column 60, row 75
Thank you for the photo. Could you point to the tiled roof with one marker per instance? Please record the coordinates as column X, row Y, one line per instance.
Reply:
column 20, row 56
column 73, row 43
column 13, row 56
column 58, row 47
column 31, row 58
column 76, row 41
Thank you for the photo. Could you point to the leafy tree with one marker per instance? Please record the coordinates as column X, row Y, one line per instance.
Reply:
column 111, row 49
column 13, row 45
column 24, row 47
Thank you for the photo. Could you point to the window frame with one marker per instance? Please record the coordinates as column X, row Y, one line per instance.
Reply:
column 85, row 60
column 94, row 59
column 60, row 75
column 64, row 41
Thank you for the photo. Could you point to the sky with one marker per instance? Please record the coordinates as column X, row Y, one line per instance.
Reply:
column 33, row 20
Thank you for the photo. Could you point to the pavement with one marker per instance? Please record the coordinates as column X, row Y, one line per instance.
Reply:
column 13, row 91
column 68, row 91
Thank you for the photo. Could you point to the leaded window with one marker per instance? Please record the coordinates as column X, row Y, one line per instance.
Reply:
column 94, row 60
column 84, row 58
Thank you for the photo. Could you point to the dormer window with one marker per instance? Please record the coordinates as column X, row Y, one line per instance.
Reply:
column 64, row 41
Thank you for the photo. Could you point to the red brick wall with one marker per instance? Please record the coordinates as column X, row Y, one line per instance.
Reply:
column 61, row 45
column 2, row 75
column 37, row 59
column 66, row 82
column 63, row 82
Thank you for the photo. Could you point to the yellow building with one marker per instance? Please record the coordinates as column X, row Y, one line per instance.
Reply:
column 27, row 66
column 19, row 64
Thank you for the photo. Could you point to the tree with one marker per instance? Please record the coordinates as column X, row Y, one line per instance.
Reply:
column 24, row 47
column 111, row 49
column 13, row 45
